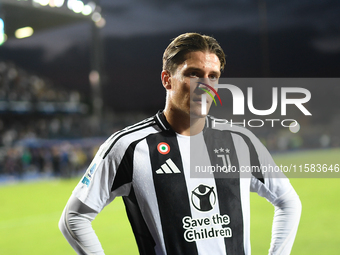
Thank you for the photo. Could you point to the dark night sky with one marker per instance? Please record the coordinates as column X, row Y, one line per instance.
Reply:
column 302, row 38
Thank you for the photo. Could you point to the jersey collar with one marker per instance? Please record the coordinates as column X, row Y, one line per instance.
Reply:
column 164, row 124
column 161, row 121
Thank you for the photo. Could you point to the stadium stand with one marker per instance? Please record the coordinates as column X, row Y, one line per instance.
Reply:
column 46, row 131
column 36, row 120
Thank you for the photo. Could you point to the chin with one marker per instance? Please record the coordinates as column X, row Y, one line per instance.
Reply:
column 197, row 114
column 196, row 110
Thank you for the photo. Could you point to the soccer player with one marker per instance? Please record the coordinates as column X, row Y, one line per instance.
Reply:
column 149, row 165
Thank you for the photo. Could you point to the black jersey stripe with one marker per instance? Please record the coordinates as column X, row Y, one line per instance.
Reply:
column 161, row 121
column 172, row 204
column 139, row 126
column 144, row 239
column 145, row 242
column 125, row 169
column 254, row 158
column 228, row 188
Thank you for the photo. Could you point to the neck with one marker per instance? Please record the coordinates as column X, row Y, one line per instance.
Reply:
column 182, row 124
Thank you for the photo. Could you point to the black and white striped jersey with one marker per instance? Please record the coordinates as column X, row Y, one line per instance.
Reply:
column 175, row 202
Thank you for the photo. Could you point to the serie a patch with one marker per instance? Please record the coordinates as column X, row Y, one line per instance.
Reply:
column 89, row 174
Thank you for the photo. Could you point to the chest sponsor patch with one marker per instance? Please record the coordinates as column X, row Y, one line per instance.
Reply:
column 215, row 226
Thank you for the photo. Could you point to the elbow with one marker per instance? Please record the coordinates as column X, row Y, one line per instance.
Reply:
column 296, row 203
column 291, row 202
column 63, row 225
column 299, row 205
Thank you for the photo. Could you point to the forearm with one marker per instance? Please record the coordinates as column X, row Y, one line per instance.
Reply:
column 75, row 225
column 285, row 224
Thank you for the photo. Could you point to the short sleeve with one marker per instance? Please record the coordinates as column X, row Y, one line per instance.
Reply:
column 95, row 187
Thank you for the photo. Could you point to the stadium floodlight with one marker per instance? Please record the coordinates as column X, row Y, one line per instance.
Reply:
column 23, row 32
column 70, row 4
column 96, row 16
column 294, row 127
column 2, row 32
column 77, row 6
column 101, row 23
column 59, row 3
column 87, row 10
column 51, row 3
column 92, row 5
column 44, row 2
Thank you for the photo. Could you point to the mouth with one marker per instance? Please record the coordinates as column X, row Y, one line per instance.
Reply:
column 198, row 101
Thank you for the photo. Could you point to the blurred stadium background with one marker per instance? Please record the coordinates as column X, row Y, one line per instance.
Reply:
column 72, row 72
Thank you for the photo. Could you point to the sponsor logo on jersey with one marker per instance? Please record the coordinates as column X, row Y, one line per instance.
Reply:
column 92, row 168
column 214, row 226
column 169, row 167
column 203, row 198
column 86, row 181
column 88, row 176
column 163, row 148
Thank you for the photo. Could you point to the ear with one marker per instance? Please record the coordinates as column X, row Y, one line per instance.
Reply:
column 166, row 79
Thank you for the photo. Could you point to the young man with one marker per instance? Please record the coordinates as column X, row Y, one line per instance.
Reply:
column 148, row 164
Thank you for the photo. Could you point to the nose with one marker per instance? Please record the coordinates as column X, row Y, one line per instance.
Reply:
column 201, row 88
column 202, row 84
column 204, row 80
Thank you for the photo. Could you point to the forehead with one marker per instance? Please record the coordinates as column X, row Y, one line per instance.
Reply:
column 201, row 60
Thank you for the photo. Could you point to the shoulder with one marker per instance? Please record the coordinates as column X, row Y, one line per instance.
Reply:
column 119, row 142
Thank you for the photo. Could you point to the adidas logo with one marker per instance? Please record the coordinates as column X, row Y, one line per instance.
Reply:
column 168, row 167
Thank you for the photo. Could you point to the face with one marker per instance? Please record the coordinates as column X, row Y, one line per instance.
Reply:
column 183, row 91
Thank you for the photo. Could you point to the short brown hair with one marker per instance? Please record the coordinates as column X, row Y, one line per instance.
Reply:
column 189, row 42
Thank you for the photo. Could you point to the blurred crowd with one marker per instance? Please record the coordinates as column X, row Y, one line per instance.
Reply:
column 16, row 84
column 34, row 111
column 284, row 140
column 46, row 130
column 31, row 106
column 62, row 159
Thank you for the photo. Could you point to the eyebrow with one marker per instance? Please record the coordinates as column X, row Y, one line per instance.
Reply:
column 199, row 69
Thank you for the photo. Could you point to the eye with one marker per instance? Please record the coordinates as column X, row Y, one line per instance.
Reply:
column 193, row 74
column 213, row 77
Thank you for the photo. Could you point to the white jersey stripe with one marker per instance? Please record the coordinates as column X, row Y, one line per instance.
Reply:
column 214, row 246
column 160, row 122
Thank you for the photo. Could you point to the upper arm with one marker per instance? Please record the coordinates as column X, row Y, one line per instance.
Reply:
column 95, row 188
column 275, row 184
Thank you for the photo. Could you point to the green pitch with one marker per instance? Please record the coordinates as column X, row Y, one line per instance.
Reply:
column 30, row 213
